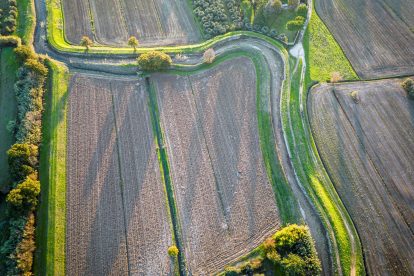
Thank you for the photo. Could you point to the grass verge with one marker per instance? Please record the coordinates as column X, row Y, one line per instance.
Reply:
column 51, row 215
column 8, row 109
column 26, row 21
column 323, row 54
column 315, row 180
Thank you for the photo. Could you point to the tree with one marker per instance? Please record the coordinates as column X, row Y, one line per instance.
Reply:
column 154, row 61
column 277, row 5
column 173, row 251
column 22, row 160
column 302, row 10
column 86, row 42
column 209, row 55
column 336, row 77
column 293, row 3
column 24, row 52
column 408, row 85
column 133, row 42
column 25, row 194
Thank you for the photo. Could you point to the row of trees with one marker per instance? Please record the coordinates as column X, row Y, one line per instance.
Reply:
column 8, row 18
column 87, row 42
column 291, row 250
column 18, row 242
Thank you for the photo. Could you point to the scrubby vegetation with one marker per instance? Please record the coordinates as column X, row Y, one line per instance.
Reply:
column 218, row 16
column 173, row 251
column 17, row 239
column 154, row 61
column 408, row 85
column 291, row 251
column 8, row 17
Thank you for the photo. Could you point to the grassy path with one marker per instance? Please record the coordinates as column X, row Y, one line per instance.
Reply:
column 50, row 232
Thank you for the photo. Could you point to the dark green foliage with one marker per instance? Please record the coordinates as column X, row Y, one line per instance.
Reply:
column 408, row 85
column 8, row 18
column 154, row 61
column 22, row 160
column 296, row 24
column 218, row 16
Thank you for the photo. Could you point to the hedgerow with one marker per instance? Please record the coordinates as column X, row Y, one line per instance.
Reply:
column 17, row 243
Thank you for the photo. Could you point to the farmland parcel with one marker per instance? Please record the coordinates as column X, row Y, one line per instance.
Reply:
column 114, row 182
column 225, row 200
column 376, row 35
column 365, row 135
column 112, row 22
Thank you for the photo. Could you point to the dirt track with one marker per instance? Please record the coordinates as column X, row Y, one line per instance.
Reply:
column 112, row 22
column 368, row 149
column 114, row 182
column 374, row 34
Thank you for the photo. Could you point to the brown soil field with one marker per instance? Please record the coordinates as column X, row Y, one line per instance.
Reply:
column 114, row 182
column 112, row 22
column 368, row 150
column 226, row 203
column 376, row 35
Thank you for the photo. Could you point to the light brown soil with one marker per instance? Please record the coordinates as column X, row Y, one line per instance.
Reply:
column 368, row 149
column 376, row 35
column 225, row 201
column 114, row 182
column 112, row 22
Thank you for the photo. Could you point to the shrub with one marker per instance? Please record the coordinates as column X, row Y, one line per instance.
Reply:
column 296, row 24
column 293, row 3
column 25, row 194
column 302, row 10
column 24, row 52
column 86, row 42
column 154, row 61
column 26, row 247
column 408, row 85
column 173, row 251
column 277, row 5
column 209, row 55
column 22, row 160
column 36, row 66
column 10, row 40
column 354, row 96
column 231, row 271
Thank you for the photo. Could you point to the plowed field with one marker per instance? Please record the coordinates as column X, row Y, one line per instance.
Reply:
column 112, row 22
column 376, row 35
column 368, row 149
column 225, row 200
column 114, row 182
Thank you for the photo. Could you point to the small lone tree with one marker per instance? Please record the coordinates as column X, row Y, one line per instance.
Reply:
column 209, row 55
column 133, row 42
column 86, row 42
column 154, row 61
column 408, row 85
column 173, row 251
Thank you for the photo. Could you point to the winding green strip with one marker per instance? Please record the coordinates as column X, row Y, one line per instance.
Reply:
column 314, row 178
column 51, row 216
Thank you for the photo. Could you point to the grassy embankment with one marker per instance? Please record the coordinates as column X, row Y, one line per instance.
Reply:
column 26, row 21
column 323, row 56
column 50, row 232
column 8, row 108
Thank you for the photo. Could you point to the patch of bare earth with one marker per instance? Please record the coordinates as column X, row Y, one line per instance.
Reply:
column 114, row 182
column 225, row 200
column 368, row 149
column 376, row 35
column 112, row 22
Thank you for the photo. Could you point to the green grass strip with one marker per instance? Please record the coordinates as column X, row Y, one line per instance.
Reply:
column 26, row 21
column 314, row 178
column 323, row 54
column 51, row 216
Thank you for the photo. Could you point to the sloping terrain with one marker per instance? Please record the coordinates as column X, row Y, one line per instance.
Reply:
column 114, row 182
column 367, row 144
column 112, row 22
column 225, row 200
column 376, row 35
